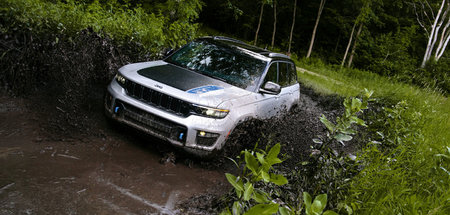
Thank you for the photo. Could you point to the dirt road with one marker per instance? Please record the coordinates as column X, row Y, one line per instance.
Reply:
column 113, row 174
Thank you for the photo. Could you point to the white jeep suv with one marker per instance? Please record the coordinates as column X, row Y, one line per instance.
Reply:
column 196, row 96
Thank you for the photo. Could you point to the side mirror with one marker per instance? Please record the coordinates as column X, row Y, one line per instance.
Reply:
column 270, row 88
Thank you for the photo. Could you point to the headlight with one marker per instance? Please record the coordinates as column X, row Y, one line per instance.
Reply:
column 210, row 112
column 120, row 79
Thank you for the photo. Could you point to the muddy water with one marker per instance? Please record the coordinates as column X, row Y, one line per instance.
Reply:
column 113, row 174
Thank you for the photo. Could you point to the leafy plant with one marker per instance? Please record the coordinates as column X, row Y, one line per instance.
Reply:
column 317, row 206
column 257, row 169
column 342, row 130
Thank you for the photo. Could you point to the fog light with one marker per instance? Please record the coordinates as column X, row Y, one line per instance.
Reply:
column 206, row 138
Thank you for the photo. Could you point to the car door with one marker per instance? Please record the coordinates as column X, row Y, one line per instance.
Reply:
column 287, row 79
column 269, row 105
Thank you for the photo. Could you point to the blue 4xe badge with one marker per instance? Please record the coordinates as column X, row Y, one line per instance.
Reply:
column 204, row 89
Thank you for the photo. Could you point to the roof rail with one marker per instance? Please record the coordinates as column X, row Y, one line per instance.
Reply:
column 227, row 39
column 278, row 55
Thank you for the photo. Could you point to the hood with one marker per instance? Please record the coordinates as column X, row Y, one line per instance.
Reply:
column 180, row 78
column 189, row 86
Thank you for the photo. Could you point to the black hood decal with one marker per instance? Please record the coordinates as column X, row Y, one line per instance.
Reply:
column 179, row 78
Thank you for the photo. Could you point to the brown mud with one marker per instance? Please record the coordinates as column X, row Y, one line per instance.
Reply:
column 111, row 173
column 50, row 166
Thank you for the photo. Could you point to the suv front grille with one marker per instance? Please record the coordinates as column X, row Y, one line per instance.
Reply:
column 155, row 124
column 157, row 99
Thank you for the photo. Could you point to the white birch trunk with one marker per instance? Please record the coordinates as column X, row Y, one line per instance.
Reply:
column 319, row 13
column 350, row 60
column 433, row 36
column 348, row 45
column 292, row 28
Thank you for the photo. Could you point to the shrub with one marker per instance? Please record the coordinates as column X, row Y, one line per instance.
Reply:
column 119, row 21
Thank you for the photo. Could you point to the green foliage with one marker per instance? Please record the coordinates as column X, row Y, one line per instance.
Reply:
column 402, row 170
column 258, row 168
column 327, row 170
column 254, row 193
column 342, row 130
column 120, row 21
column 317, row 206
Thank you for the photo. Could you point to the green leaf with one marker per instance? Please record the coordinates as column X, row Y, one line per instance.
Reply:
column 260, row 158
column 322, row 198
column 225, row 212
column 237, row 208
column 274, row 151
column 237, row 184
column 284, row 211
column 330, row 126
column 356, row 104
column 330, row 213
column 265, row 176
column 262, row 209
column 248, row 191
column 358, row 121
column 278, row 179
column 316, row 207
column 251, row 162
column 260, row 197
column 343, row 137
column 307, row 199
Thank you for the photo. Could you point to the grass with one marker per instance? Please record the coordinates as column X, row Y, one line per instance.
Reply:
column 418, row 180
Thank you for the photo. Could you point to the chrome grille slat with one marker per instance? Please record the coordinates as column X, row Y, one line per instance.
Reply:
column 157, row 99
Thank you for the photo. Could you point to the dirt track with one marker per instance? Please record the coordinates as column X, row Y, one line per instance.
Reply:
column 47, row 168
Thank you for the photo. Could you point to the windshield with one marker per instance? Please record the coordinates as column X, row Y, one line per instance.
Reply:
column 229, row 64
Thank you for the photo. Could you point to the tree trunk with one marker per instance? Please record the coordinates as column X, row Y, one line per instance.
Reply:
column 259, row 23
column 274, row 22
column 292, row 28
column 319, row 13
column 432, row 37
column 348, row 45
column 445, row 35
column 354, row 46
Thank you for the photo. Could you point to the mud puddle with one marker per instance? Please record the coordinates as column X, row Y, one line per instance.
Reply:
column 113, row 174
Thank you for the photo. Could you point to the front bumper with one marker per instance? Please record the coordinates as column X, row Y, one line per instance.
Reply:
column 197, row 134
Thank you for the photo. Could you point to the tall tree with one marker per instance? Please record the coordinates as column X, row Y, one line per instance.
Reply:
column 348, row 45
column 263, row 2
column 436, row 27
column 274, row 22
column 363, row 17
column 292, row 27
column 350, row 60
column 319, row 13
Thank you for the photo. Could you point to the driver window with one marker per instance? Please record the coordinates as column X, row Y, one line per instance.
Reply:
column 272, row 73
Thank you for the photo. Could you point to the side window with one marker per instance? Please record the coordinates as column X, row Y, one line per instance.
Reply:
column 292, row 74
column 272, row 74
column 283, row 78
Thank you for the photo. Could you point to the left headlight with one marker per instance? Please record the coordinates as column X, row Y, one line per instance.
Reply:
column 120, row 79
column 210, row 112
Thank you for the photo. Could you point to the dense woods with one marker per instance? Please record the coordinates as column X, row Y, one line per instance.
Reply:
column 399, row 38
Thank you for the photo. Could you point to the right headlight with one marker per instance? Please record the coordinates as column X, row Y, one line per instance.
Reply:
column 120, row 79
column 210, row 112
